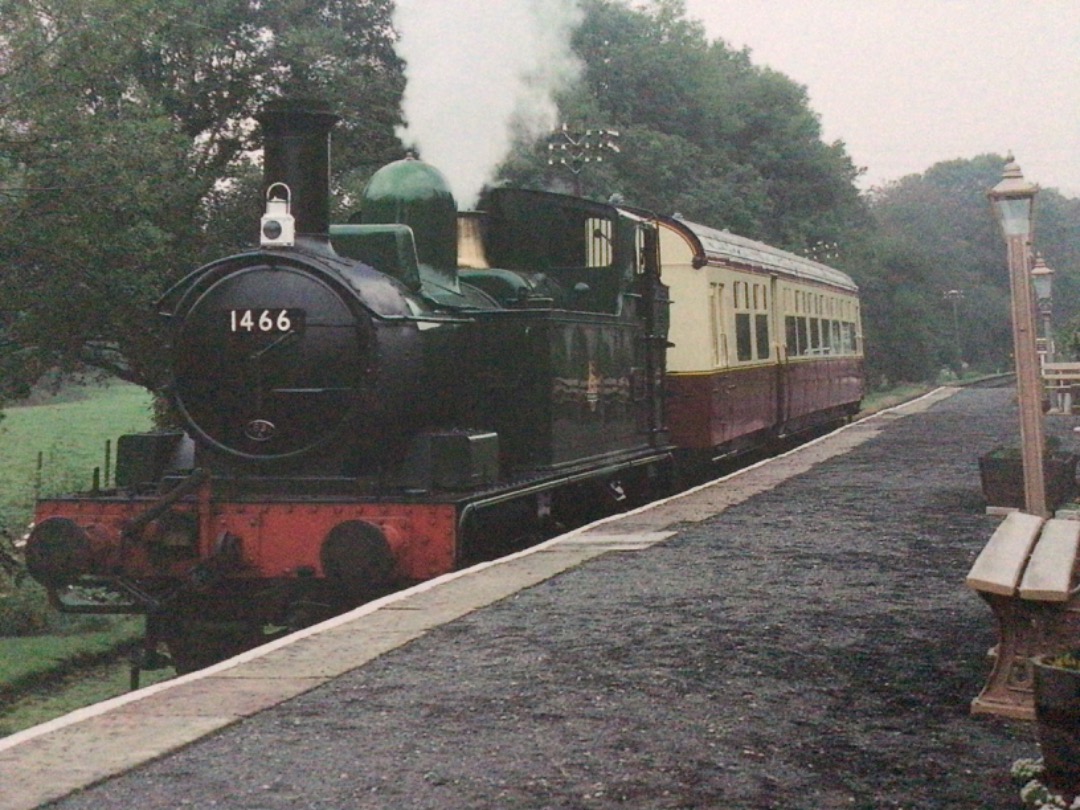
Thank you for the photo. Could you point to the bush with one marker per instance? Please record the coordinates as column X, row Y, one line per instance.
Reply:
column 24, row 608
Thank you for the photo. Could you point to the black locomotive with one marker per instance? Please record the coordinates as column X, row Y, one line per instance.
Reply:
column 360, row 410
column 375, row 403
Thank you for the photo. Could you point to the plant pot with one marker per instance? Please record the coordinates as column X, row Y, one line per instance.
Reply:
column 1057, row 723
column 1002, row 474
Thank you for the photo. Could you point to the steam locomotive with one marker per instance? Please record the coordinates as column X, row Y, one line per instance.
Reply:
column 379, row 402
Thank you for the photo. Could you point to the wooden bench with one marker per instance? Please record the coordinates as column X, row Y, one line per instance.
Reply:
column 1062, row 381
column 1026, row 573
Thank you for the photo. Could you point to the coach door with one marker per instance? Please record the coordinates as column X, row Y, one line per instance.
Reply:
column 781, row 341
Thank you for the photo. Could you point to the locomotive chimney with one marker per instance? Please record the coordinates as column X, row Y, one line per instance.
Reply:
column 296, row 152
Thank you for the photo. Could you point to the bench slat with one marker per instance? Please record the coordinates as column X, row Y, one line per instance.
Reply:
column 999, row 566
column 1049, row 573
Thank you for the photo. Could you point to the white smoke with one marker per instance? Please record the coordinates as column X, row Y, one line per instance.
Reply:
column 478, row 73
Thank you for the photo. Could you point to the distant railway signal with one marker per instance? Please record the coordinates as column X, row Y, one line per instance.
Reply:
column 574, row 149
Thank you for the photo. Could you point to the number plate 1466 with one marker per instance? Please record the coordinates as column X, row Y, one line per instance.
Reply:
column 265, row 321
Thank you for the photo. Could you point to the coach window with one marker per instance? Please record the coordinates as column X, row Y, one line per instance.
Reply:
column 761, row 328
column 743, row 338
column 761, row 322
column 743, row 347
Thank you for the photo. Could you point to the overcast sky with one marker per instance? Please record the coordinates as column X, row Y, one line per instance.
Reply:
column 908, row 83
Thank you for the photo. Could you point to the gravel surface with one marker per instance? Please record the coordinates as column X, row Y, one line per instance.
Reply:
column 811, row 647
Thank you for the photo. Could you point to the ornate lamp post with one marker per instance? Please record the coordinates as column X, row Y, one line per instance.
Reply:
column 1012, row 200
column 1042, row 277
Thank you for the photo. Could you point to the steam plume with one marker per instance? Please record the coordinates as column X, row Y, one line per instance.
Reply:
column 480, row 72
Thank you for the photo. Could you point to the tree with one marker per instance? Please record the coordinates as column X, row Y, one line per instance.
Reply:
column 126, row 132
column 704, row 131
column 904, row 322
column 1057, row 238
column 942, row 216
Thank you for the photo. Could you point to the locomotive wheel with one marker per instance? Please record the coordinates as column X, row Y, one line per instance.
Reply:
column 195, row 645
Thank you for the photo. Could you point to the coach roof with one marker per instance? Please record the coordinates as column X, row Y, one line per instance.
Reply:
column 716, row 246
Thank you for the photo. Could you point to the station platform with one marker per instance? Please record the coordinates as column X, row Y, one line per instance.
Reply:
column 796, row 635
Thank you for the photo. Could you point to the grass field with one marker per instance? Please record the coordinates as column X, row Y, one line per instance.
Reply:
column 70, row 435
column 65, row 694
column 37, row 645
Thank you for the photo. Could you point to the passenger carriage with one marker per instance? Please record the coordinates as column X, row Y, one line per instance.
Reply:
column 766, row 344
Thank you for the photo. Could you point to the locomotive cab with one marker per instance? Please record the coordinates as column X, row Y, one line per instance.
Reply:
column 581, row 254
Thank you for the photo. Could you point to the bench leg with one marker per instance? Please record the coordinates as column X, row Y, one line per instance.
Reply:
column 1025, row 629
column 1008, row 689
column 1061, row 399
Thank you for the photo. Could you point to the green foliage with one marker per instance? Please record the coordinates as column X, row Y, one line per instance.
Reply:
column 882, row 398
column 1051, row 448
column 37, row 642
column 35, row 685
column 27, row 658
column 1057, row 238
column 935, row 232
column 902, row 343
column 24, row 609
column 125, row 142
column 38, row 664
column 703, row 131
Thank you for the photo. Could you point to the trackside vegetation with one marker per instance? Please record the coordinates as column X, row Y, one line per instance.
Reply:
column 49, row 448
